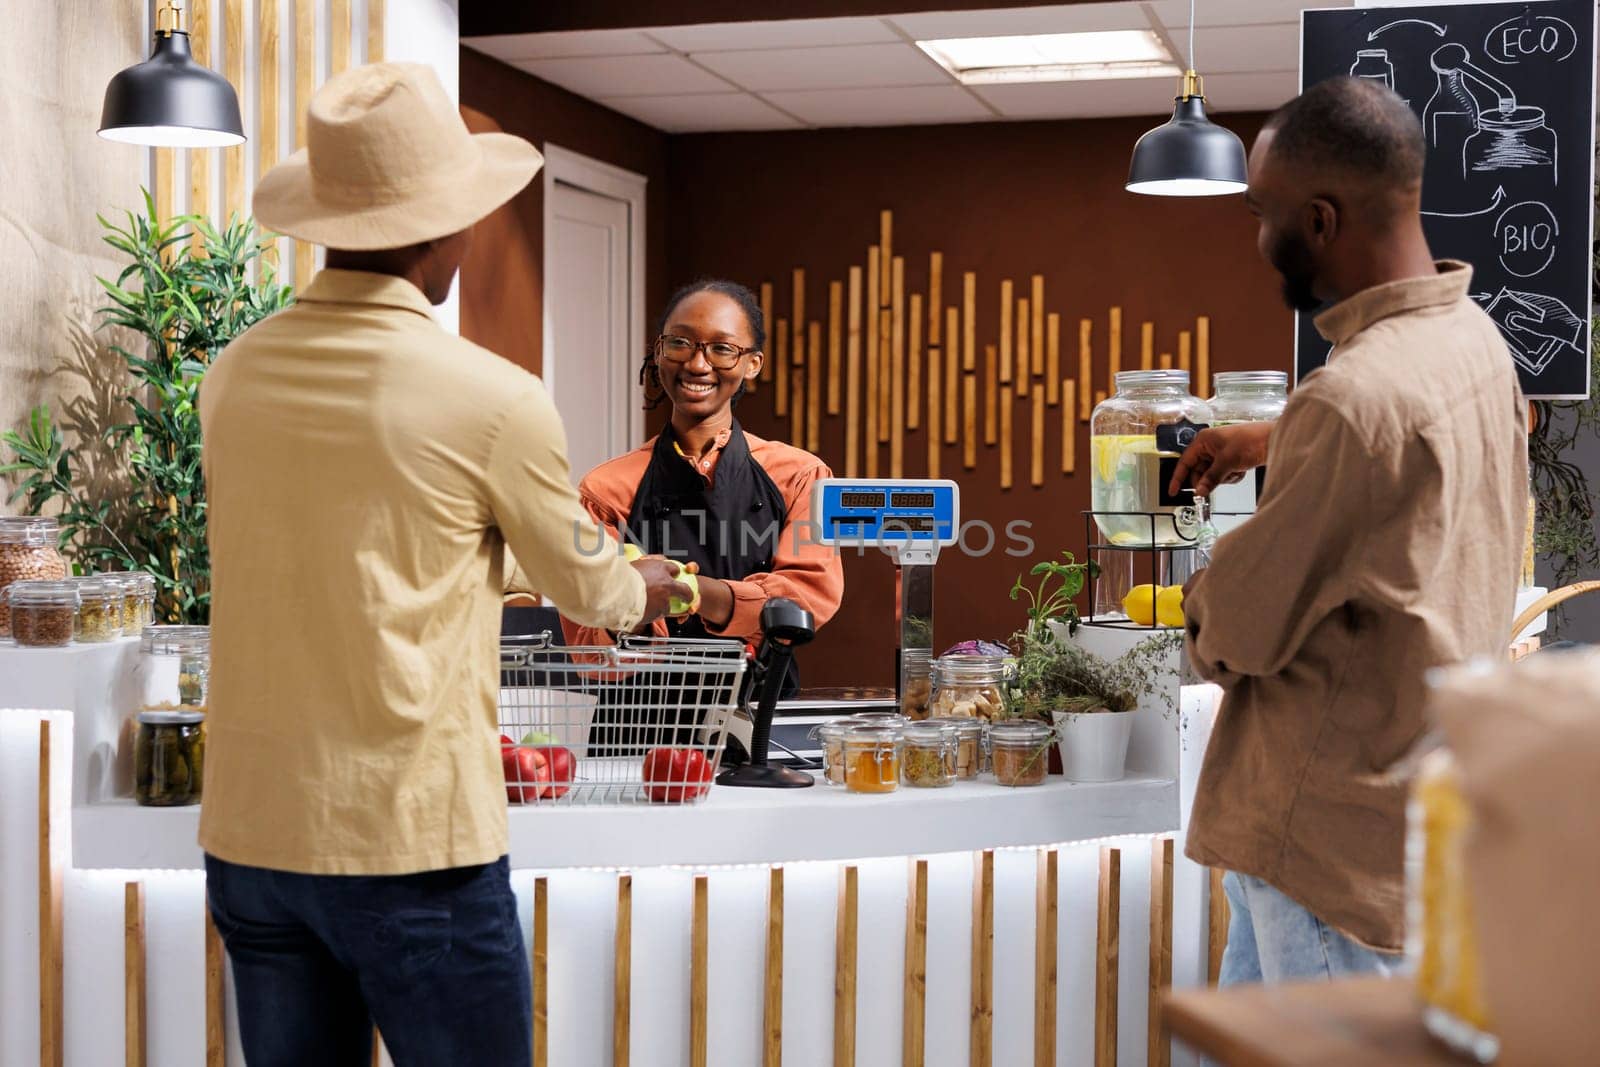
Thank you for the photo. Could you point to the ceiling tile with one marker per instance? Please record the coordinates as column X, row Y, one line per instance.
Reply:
column 882, row 107
column 513, row 46
column 1262, row 91
column 798, row 33
column 698, row 112
column 1059, row 18
column 1243, row 49
column 1175, row 13
column 847, row 67
column 665, row 74
column 1138, row 96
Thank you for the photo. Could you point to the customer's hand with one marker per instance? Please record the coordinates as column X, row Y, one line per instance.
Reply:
column 1221, row 454
column 661, row 585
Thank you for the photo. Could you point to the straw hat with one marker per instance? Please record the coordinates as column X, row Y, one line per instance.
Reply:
column 388, row 163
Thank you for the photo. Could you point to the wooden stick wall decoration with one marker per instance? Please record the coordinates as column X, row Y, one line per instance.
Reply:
column 876, row 315
column 200, row 160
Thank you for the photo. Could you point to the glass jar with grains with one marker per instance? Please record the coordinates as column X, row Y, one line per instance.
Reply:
column 928, row 754
column 42, row 613
column 138, row 599
column 830, row 737
column 169, row 758
column 969, row 684
column 99, row 611
column 916, row 685
column 28, row 553
column 1020, row 751
column 969, row 732
column 872, row 758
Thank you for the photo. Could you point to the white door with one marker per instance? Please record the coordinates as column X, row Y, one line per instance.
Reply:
column 589, row 365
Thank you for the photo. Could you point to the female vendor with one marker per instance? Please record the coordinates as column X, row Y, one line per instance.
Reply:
column 706, row 492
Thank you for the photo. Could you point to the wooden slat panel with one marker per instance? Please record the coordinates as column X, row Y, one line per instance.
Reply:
column 1052, row 358
column 1036, row 455
column 134, row 1026
column 375, row 31
column 772, row 1003
column 1160, row 1050
column 797, row 407
column 914, row 1010
column 797, row 316
column 1007, row 407
column 936, row 299
column 1085, row 366
column 1106, row 958
column 814, row 387
column 541, row 972
column 622, row 969
column 885, row 369
column 991, row 393
column 1099, row 397
column 914, row 362
column 852, row 392
column 981, row 1050
column 969, row 321
column 339, row 36
column 1023, row 335
column 1216, row 926
column 1036, row 335
column 51, row 990
column 780, row 402
column 1007, row 297
column 266, row 132
column 1147, row 346
column 835, row 333
column 1047, row 891
column 935, row 411
column 699, row 968
column 233, row 70
column 1114, row 347
column 1165, row 362
column 1068, row 427
column 897, row 368
column 200, row 158
column 844, row 972
column 969, row 421
column 767, row 365
column 164, row 193
column 216, row 1023
column 952, row 362
column 305, row 85
column 873, row 367
column 886, row 242
column 1184, row 358
column 1202, row 356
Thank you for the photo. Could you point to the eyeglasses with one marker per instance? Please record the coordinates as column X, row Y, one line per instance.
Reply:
column 723, row 355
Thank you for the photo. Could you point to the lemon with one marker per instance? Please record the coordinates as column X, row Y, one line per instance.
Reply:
column 1169, row 606
column 632, row 552
column 1140, row 604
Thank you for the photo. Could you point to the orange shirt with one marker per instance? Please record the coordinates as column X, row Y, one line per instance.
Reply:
column 811, row 575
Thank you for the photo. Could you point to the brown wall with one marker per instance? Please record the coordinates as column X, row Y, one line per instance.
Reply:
column 1005, row 201
column 502, row 305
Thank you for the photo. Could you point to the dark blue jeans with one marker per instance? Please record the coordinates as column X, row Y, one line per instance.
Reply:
column 435, row 959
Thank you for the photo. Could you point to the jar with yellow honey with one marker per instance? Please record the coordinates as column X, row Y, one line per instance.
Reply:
column 872, row 759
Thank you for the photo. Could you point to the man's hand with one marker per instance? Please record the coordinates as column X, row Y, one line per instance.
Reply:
column 661, row 585
column 1221, row 454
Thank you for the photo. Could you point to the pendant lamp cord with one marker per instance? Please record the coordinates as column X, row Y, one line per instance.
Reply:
column 1191, row 36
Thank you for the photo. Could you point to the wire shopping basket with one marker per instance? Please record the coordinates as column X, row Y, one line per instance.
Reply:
column 643, row 722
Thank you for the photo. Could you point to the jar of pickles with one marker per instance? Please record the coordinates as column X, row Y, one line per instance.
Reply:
column 138, row 599
column 928, row 754
column 872, row 758
column 971, row 751
column 969, row 684
column 175, row 667
column 99, row 610
column 1019, row 750
column 42, row 613
column 1441, row 939
column 28, row 553
column 169, row 758
column 1135, row 439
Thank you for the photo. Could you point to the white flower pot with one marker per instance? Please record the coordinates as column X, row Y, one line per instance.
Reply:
column 1094, row 744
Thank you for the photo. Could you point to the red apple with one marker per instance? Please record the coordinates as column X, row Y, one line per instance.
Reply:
column 563, row 768
column 525, row 770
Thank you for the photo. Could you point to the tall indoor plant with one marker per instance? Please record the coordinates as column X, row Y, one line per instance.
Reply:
column 187, row 290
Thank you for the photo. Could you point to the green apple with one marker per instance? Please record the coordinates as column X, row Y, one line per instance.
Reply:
column 537, row 738
column 680, row 607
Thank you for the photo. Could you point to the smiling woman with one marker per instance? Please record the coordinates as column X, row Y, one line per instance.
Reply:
column 704, row 491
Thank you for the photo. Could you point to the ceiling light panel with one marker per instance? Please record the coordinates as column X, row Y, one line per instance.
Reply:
column 1053, row 57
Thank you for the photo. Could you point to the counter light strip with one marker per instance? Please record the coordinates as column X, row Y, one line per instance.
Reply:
column 541, row 972
column 1159, row 1053
column 772, row 1003
column 844, row 968
column 51, row 986
column 216, row 1046
column 1047, row 892
column 914, row 1006
column 982, row 1033
column 1108, row 937
column 622, row 975
column 134, row 1023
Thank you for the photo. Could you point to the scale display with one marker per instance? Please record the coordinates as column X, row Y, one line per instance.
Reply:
column 886, row 512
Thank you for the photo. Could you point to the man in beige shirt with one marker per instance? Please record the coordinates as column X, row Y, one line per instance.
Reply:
column 1387, row 541
column 365, row 472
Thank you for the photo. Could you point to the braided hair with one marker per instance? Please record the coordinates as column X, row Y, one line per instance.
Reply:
column 650, row 378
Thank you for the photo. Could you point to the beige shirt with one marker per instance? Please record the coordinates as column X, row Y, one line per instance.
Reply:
column 1388, row 540
column 365, row 471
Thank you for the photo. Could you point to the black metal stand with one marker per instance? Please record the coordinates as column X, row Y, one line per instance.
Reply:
column 1150, row 549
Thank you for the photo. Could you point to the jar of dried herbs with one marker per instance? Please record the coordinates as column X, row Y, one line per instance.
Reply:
column 1020, row 750
column 42, row 613
column 928, row 755
column 169, row 758
column 99, row 611
column 28, row 554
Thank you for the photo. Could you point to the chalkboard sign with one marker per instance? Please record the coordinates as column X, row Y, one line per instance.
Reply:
column 1506, row 96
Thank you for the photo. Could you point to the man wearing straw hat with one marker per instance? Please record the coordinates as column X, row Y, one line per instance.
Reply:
column 365, row 472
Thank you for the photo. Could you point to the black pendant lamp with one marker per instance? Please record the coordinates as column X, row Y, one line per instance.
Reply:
column 169, row 100
column 1190, row 155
